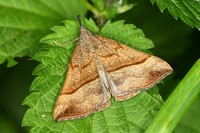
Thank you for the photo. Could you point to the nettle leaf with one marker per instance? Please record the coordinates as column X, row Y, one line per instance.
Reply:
column 187, row 10
column 127, row 116
column 23, row 23
column 124, row 34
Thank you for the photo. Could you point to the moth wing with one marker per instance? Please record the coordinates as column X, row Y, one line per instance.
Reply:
column 81, row 94
column 129, row 71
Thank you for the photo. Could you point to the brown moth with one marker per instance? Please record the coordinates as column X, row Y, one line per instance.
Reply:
column 101, row 67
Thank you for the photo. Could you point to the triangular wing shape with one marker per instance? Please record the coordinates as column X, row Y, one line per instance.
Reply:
column 82, row 93
column 129, row 70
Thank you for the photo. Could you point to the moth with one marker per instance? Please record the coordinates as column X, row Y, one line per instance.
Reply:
column 101, row 67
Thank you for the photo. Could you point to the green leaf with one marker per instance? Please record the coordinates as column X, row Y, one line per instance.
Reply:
column 23, row 23
column 178, row 102
column 187, row 10
column 124, row 34
column 127, row 116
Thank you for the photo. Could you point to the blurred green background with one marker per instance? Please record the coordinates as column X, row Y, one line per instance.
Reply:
column 174, row 41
